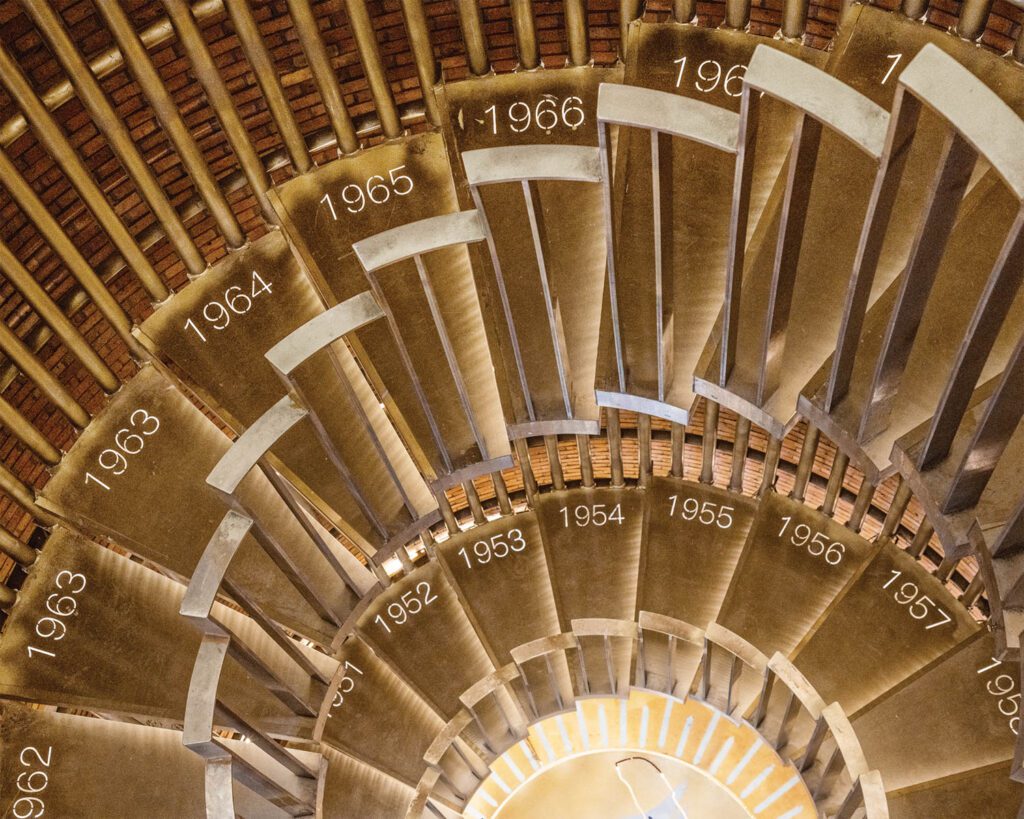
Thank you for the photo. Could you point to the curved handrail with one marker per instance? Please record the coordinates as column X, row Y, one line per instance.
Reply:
column 972, row 108
column 253, row 444
column 516, row 163
column 322, row 331
column 668, row 113
column 818, row 95
column 420, row 237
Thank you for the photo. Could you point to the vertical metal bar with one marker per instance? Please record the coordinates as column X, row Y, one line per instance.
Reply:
column 555, row 688
column 973, row 17
column 896, row 509
column 861, row 505
column 191, row 40
column 403, row 353
column 551, row 447
column 739, row 214
column 763, row 698
column 54, row 317
column 506, row 306
column 671, row 660
column 1001, row 416
column 615, row 447
column 529, row 481
column 678, row 440
column 51, row 136
column 605, row 150
column 1018, row 47
column 586, row 464
column 813, row 746
column 584, row 676
column 473, row 37
column 739, row 453
column 914, row 9
column 113, row 128
column 476, row 508
column 973, row 591
column 323, row 74
column 501, row 493
column 613, row 681
column 270, row 84
column 737, row 14
column 835, row 762
column 788, row 713
column 709, row 442
column 525, row 33
column 794, row 19
column 641, row 661
column 338, row 462
column 773, row 451
column 550, row 306
column 945, row 569
column 922, row 537
column 169, row 116
column 835, row 483
column 1012, row 536
column 577, row 32
column 447, row 514
column 643, row 434
column 803, row 158
column 806, row 463
column 38, row 374
column 423, row 55
column 279, row 554
column 373, row 68
column 705, row 677
column 938, row 215
column 906, row 111
column 659, row 304
column 684, row 11
column 735, row 669
column 993, row 306
column 449, row 354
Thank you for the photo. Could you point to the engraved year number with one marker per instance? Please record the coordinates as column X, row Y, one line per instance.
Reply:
column 60, row 605
column 233, row 302
column 32, row 782
column 711, row 74
column 129, row 440
column 817, row 543
column 410, row 604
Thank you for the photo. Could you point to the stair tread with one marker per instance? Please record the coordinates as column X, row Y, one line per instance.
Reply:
column 81, row 754
column 433, row 645
column 869, row 640
column 182, row 512
column 594, row 566
column 948, row 705
column 686, row 565
column 500, row 571
column 377, row 718
column 781, row 587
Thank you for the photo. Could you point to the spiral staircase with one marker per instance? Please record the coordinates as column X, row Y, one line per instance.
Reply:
column 483, row 409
